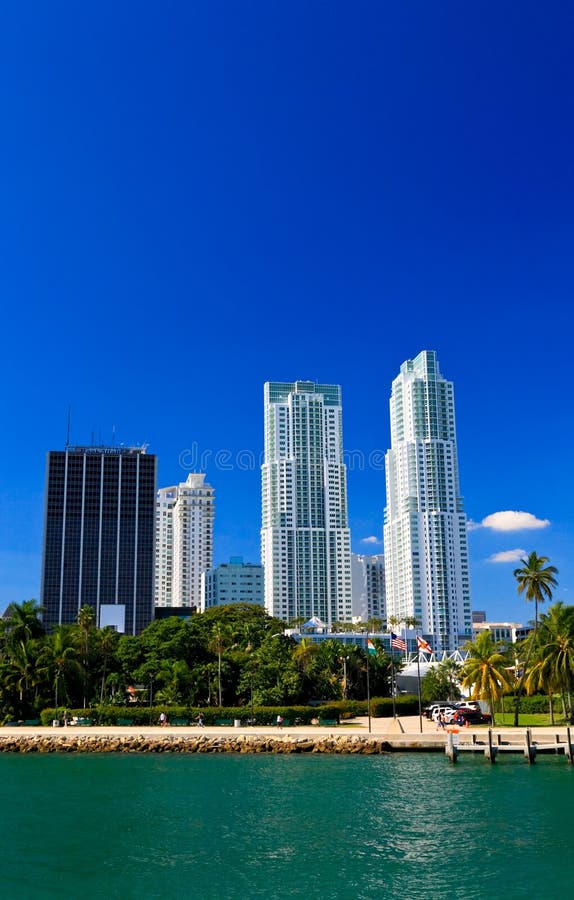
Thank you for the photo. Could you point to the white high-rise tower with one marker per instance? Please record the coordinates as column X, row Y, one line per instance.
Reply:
column 184, row 541
column 305, row 540
column 426, row 549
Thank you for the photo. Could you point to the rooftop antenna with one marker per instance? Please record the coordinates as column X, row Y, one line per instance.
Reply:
column 113, row 435
column 68, row 425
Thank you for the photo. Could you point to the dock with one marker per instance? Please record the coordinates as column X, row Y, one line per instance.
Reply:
column 494, row 744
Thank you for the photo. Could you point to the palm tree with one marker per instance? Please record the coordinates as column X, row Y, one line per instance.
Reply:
column 86, row 617
column 21, row 670
column 536, row 580
column 107, row 642
column 175, row 678
column 554, row 667
column 484, row 670
column 59, row 660
column 221, row 638
column 23, row 621
column 305, row 653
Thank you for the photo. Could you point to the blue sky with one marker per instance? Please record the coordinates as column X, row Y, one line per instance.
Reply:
column 197, row 198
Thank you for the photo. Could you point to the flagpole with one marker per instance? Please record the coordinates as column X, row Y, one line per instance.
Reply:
column 393, row 686
column 419, row 689
column 368, row 685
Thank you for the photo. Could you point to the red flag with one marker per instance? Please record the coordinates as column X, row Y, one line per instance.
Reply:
column 422, row 645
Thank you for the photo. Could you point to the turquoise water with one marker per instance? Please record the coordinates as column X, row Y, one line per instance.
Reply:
column 403, row 826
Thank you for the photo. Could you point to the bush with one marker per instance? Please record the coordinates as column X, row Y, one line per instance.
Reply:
column 47, row 716
column 142, row 715
column 381, row 707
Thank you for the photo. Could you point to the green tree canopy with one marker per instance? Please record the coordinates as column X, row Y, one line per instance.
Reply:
column 535, row 580
column 484, row 670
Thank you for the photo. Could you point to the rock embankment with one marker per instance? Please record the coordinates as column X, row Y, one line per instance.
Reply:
column 203, row 743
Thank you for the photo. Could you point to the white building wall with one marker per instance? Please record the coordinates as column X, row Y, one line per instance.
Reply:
column 184, row 541
column 305, row 540
column 426, row 550
column 368, row 580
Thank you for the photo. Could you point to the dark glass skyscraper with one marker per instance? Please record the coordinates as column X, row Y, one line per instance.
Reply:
column 99, row 527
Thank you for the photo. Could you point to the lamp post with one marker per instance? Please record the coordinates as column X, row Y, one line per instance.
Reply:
column 368, row 685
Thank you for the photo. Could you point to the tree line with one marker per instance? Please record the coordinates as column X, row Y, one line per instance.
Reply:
column 238, row 655
column 228, row 656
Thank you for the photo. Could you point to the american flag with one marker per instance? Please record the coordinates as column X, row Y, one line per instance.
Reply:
column 397, row 642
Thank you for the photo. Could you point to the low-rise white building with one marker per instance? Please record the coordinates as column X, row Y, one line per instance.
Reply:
column 505, row 632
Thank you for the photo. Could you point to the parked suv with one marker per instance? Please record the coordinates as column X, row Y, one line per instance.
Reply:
column 447, row 711
column 437, row 707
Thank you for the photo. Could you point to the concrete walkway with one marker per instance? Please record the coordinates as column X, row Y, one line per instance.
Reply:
column 402, row 730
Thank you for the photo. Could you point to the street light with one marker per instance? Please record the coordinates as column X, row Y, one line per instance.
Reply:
column 344, row 660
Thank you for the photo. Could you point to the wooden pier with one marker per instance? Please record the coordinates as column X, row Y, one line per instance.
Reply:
column 494, row 744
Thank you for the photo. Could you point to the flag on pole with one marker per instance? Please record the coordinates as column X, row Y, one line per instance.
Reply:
column 371, row 647
column 423, row 645
column 397, row 642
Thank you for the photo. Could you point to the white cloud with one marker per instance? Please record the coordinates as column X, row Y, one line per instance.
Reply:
column 472, row 526
column 371, row 540
column 513, row 520
column 508, row 556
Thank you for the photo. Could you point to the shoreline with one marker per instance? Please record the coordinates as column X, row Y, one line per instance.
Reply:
column 386, row 736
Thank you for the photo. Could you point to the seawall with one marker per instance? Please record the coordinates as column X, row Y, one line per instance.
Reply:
column 68, row 742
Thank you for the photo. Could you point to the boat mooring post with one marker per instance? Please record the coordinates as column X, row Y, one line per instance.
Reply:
column 568, row 747
column 529, row 748
column 490, row 751
column 451, row 746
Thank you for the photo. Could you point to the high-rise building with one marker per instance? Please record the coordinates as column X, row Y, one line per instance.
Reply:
column 305, row 540
column 184, row 541
column 232, row 582
column 425, row 540
column 368, row 579
column 99, row 536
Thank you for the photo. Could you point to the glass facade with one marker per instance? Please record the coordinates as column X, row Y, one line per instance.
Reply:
column 99, row 534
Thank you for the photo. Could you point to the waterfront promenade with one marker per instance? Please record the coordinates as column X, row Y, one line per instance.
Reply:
column 386, row 735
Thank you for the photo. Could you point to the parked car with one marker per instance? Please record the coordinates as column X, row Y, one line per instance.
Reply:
column 431, row 708
column 469, row 704
column 467, row 714
column 447, row 711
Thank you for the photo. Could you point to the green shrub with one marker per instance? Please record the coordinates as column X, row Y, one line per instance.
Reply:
column 264, row 715
column 47, row 716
